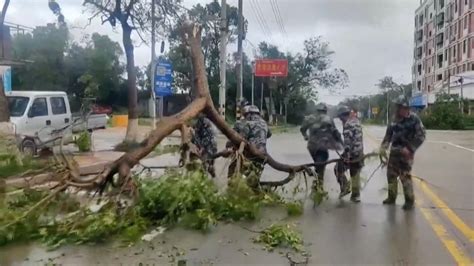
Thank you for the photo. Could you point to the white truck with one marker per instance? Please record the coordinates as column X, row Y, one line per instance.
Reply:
column 41, row 118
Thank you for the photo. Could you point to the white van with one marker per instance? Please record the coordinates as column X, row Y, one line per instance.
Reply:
column 39, row 117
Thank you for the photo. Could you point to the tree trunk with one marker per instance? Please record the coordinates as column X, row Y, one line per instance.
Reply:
column 132, row 128
column 4, row 111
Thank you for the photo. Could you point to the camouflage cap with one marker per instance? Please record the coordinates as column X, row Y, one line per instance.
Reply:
column 401, row 101
column 243, row 102
column 321, row 107
column 251, row 109
column 343, row 110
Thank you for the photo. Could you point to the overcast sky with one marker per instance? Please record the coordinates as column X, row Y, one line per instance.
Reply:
column 371, row 38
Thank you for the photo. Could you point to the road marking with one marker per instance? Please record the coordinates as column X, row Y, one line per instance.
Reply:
column 450, row 143
column 451, row 245
column 455, row 220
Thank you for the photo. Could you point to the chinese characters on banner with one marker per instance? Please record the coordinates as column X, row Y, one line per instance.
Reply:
column 271, row 68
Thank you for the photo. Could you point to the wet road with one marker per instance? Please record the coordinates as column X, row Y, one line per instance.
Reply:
column 438, row 231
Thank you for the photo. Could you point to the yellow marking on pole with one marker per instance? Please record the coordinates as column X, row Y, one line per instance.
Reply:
column 450, row 214
column 451, row 245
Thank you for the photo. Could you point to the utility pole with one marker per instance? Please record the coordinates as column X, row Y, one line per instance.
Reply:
column 239, row 56
column 387, row 106
column 461, row 80
column 370, row 109
column 223, row 58
column 152, row 67
column 261, row 94
column 253, row 82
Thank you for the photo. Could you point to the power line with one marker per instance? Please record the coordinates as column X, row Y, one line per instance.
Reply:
column 281, row 18
column 259, row 20
column 259, row 11
column 277, row 18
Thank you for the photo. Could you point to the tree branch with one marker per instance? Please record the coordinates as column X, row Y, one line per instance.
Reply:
column 98, row 6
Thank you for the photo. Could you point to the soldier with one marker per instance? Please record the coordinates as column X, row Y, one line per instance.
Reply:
column 205, row 141
column 353, row 153
column 405, row 134
column 255, row 130
column 323, row 136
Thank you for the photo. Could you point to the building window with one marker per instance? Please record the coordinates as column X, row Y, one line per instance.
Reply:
column 465, row 22
column 465, row 2
column 419, row 69
column 456, row 6
column 472, row 67
column 454, row 51
column 421, row 20
column 429, row 88
column 418, row 85
column 446, row 55
column 439, row 77
column 440, row 60
column 464, row 47
column 441, row 3
column 464, row 68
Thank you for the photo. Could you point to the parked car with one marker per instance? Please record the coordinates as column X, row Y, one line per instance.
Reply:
column 100, row 109
column 42, row 118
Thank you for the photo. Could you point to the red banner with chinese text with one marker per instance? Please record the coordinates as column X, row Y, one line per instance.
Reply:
column 271, row 68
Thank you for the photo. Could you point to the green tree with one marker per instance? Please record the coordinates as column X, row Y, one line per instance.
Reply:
column 308, row 71
column 45, row 48
column 133, row 16
column 208, row 16
column 389, row 89
column 58, row 65
column 444, row 114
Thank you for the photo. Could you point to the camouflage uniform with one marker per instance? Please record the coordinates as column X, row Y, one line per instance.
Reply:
column 255, row 130
column 323, row 136
column 353, row 150
column 205, row 141
column 407, row 133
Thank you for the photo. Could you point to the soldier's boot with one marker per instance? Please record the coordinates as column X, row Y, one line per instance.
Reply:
column 392, row 193
column 409, row 193
column 342, row 180
column 355, row 180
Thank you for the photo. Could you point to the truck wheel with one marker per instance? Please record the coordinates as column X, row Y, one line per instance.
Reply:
column 28, row 147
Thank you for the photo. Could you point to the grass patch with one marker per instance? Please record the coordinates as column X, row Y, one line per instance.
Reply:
column 165, row 149
column 287, row 128
column 12, row 168
column 294, row 208
column 280, row 236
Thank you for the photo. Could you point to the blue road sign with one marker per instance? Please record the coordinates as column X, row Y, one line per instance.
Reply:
column 163, row 78
column 7, row 79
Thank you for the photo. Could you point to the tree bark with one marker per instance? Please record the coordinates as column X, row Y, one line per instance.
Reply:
column 4, row 111
column 132, row 127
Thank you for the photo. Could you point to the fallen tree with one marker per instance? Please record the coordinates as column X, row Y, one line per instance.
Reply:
column 202, row 103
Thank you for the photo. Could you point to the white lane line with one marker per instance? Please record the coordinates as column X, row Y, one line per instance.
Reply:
column 450, row 143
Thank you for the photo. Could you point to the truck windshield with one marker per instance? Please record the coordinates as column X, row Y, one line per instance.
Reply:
column 17, row 105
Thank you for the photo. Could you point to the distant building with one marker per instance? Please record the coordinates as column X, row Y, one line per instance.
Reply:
column 444, row 50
